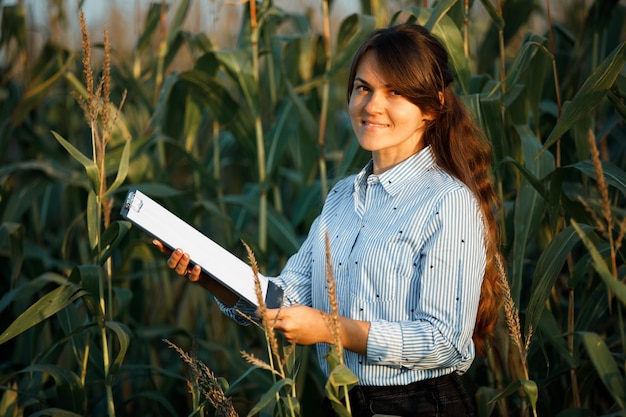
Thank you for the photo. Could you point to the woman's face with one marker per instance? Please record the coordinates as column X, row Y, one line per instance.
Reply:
column 385, row 123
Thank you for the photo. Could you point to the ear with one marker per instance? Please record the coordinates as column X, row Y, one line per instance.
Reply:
column 430, row 117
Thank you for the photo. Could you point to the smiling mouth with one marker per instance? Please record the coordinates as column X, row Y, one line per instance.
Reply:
column 370, row 124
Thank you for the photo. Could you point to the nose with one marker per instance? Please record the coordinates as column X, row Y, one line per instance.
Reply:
column 375, row 102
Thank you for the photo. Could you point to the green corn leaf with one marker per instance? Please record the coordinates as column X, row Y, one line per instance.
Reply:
column 122, row 170
column 484, row 405
column 237, row 64
column 291, row 403
column 94, row 219
column 269, row 397
column 123, row 338
column 606, row 367
column 112, row 238
column 49, row 168
column 613, row 175
column 547, row 271
column 279, row 136
column 13, row 26
column 618, row 103
column 176, row 23
column 498, row 21
column 152, row 22
column 305, row 116
column 155, row 189
column 536, row 183
column 340, row 381
column 550, row 330
column 193, row 121
column 449, row 35
column 438, row 12
column 88, row 276
column 212, row 93
column 90, row 166
column 46, row 306
column 529, row 205
column 28, row 289
column 37, row 91
column 341, row 376
column 55, row 412
column 280, row 229
column 528, row 386
column 352, row 33
column 69, row 389
column 589, row 94
column 614, row 285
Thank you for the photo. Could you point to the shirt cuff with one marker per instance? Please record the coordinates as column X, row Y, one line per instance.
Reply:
column 234, row 311
column 384, row 343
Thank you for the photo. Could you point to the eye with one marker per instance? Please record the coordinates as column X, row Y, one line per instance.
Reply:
column 361, row 88
column 395, row 93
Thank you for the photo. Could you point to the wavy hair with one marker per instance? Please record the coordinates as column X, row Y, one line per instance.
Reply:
column 416, row 66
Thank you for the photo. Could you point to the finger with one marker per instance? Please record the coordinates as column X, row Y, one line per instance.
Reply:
column 161, row 247
column 174, row 259
column 272, row 314
column 193, row 274
column 183, row 264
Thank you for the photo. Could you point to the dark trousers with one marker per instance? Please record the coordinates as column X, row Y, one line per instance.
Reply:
column 444, row 396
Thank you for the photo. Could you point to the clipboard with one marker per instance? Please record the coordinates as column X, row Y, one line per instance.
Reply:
column 215, row 261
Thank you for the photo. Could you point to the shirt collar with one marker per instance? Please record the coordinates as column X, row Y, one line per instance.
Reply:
column 395, row 178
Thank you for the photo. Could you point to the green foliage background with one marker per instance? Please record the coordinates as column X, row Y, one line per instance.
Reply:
column 244, row 143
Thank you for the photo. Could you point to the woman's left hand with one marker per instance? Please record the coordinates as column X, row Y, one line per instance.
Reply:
column 300, row 324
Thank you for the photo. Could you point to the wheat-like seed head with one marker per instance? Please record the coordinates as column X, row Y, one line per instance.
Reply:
column 268, row 325
column 597, row 221
column 88, row 73
column 333, row 320
column 204, row 380
column 253, row 360
column 511, row 313
column 602, row 185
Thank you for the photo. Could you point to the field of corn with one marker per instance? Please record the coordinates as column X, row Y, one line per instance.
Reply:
column 243, row 142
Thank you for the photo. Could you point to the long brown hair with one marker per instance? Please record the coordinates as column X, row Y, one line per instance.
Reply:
column 415, row 64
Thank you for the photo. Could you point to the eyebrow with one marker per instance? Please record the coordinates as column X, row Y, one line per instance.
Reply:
column 365, row 82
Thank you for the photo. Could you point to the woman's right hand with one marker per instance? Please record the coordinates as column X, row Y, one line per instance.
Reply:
column 179, row 261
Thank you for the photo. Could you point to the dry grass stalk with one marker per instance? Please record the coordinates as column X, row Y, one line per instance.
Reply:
column 205, row 382
column 97, row 109
column 603, row 187
column 596, row 220
column 268, row 325
column 511, row 314
column 87, row 72
column 604, row 227
column 253, row 360
column 332, row 320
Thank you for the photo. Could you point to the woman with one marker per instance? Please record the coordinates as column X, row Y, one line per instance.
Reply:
column 413, row 238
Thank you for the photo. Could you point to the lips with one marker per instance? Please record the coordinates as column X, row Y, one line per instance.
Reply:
column 367, row 123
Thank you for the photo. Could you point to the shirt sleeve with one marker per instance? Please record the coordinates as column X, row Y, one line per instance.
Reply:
column 452, row 265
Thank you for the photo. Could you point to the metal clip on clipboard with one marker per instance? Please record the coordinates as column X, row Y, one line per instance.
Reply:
column 214, row 260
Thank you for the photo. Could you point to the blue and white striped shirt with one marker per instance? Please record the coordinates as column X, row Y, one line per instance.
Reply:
column 408, row 256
